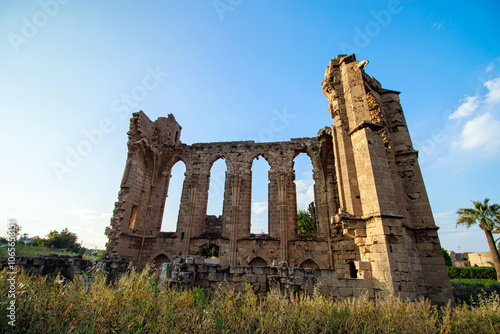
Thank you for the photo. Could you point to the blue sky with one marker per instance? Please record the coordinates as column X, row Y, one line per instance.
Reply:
column 72, row 72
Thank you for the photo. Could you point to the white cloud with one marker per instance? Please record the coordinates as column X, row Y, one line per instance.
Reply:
column 437, row 25
column 259, row 207
column 444, row 215
column 86, row 214
column 308, row 174
column 481, row 131
column 303, row 185
column 489, row 68
column 493, row 96
column 305, row 192
column 468, row 106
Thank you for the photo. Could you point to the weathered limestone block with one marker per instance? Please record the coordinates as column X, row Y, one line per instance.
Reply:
column 374, row 222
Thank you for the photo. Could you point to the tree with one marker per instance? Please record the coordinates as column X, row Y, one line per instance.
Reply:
column 488, row 218
column 447, row 258
column 306, row 220
column 64, row 240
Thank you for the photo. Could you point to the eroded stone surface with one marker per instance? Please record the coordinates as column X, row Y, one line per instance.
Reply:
column 374, row 221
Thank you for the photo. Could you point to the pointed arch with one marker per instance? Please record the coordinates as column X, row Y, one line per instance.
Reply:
column 172, row 197
column 259, row 214
column 209, row 162
column 216, row 186
column 160, row 257
column 305, row 194
column 248, row 160
column 309, row 264
column 258, row 262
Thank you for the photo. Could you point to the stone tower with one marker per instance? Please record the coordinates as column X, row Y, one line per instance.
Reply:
column 383, row 202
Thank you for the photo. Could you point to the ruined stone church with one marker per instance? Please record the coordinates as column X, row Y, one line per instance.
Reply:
column 374, row 220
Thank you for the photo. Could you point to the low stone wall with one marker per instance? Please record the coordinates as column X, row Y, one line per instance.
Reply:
column 114, row 265
column 194, row 272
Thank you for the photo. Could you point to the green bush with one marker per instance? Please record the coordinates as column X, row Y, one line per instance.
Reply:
column 471, row 291
column 472, row 272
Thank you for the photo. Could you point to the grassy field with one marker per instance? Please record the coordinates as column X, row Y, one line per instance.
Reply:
column 468, row 290
column 30, row 251
column 136, row 304
column 27, row 250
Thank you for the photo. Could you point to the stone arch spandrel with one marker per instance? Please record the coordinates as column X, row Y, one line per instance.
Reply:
column 312, row 152
column 268, row 156
column 176, row 157
column 206, row 166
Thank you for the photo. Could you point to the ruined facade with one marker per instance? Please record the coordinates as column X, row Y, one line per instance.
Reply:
column 374, row 221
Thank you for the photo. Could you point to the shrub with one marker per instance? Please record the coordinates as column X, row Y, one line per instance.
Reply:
column 471, row 291
column 472, row 272
column 447, row 258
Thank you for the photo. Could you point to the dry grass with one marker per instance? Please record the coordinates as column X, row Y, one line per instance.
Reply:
column 136, row 304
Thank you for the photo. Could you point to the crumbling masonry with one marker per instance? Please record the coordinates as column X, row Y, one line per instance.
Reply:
column 374, row 222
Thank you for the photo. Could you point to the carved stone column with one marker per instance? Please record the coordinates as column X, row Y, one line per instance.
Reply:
column 282, row 180
column 192, row 191
column 235, row 210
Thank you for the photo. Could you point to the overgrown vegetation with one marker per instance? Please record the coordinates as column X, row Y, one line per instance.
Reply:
column 60, row 242
column 28, row 250
column 447, row 258
column 306, row 220
column 472, row 272
column 137, row 304
column 470, row 291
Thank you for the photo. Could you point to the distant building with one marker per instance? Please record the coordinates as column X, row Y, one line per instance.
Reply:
column 459, row 259
column 480, row 259
column 25, row 239
column 468, row 259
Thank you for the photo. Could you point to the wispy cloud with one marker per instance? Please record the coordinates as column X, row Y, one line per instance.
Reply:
column 481, row 131
column 19, row 217
column 493, row 96
column 489, row 68
column 468, row 106
column 86, row 214
column 437, row 25
column 444, row 215
column 305, row 192
column 259, row 207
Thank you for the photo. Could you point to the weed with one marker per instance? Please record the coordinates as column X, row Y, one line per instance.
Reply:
column 136, row 304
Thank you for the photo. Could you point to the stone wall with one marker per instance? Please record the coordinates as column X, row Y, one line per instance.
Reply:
column 70, row 266
column 374, row 220
column 193, row 272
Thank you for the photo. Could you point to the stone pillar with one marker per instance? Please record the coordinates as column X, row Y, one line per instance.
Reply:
column 372, row 143
column 192, row 192
column 235, row 210
column 372, row 216
column 245, row 202
column 286, row 205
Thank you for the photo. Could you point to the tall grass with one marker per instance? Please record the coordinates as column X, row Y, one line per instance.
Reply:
column 137, row 304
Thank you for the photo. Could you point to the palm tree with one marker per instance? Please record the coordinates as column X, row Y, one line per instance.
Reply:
column 488, row 218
